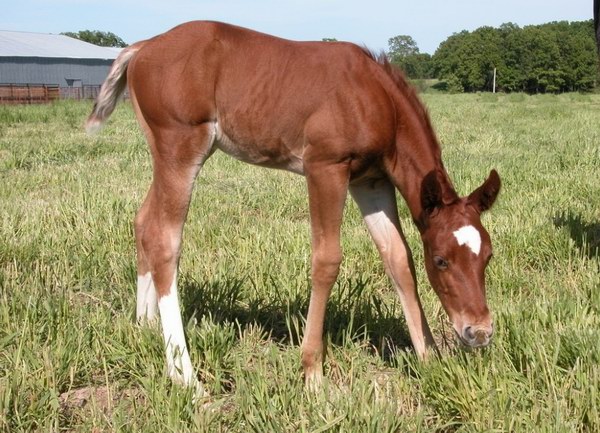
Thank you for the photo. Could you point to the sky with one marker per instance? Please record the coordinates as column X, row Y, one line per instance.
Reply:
column 366, row 22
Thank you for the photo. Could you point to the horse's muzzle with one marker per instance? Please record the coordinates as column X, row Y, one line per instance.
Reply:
column 476, row 336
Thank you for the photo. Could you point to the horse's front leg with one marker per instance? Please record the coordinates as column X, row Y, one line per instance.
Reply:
column 327, row 190
column 377, row 202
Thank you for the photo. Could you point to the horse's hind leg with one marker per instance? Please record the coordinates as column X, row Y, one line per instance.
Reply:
column 147, row 301
column 178, row 155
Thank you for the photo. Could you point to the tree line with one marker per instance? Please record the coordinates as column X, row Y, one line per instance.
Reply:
column 548, row 58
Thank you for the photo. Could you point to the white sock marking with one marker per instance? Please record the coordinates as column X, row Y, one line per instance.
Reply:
column 178, row 358
column 147, row 302
column 469, row 236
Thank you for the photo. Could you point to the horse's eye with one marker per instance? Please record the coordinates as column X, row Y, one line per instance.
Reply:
column 440, row 262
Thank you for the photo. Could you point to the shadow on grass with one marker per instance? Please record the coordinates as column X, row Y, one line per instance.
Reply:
column 586, row 235
column 352, row 312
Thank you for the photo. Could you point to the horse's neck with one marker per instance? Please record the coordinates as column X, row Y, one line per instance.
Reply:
column 416, row 156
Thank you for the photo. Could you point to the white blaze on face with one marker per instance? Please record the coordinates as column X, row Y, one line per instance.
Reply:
column 469, row 236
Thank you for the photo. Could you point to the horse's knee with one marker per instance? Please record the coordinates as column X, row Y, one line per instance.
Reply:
column 326, row 266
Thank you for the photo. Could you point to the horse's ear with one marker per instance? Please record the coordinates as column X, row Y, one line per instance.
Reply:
column 484, row 197
column 431, row 193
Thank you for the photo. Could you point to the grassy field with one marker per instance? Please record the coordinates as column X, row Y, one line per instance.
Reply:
column 72, row 358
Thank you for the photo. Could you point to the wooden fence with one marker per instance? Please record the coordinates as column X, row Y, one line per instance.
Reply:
column 43, row 94
column 79, row 93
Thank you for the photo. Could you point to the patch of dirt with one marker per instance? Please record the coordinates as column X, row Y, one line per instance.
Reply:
column 76, row 404
column 78, row 398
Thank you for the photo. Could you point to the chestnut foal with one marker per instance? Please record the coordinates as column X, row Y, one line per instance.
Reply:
column 329, row 111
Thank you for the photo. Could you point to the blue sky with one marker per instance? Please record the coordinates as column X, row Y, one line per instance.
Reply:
column 366, row 22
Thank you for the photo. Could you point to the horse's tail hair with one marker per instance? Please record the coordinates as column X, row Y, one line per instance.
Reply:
column 111, row 89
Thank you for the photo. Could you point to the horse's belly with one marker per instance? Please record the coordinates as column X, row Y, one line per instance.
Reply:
column 270, row 156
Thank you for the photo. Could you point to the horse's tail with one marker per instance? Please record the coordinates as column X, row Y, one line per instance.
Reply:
column 111, row 89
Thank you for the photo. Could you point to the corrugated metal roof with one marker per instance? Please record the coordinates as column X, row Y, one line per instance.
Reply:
column 25, row 44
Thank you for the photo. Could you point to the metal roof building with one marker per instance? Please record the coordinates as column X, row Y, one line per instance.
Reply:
column 36, row 58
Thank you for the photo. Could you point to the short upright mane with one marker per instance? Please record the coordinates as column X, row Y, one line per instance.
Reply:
column 398, row 77
column 413, row 101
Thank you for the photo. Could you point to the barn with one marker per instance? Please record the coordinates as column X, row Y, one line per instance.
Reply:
column 35, row 67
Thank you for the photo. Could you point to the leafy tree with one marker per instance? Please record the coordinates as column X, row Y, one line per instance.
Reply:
column 96, row 37
column 489, row 55
column 404, row 52
column 577, row 60
column 401, row 46
column 541, row 64
column 417, row 66
column 329, row 40
column 450, row 58
column 511, row 76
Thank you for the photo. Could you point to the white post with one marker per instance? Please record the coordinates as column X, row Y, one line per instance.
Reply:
column 494, row 86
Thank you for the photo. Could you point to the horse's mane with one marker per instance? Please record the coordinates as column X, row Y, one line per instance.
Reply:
column 401, row 82
column 412, row 98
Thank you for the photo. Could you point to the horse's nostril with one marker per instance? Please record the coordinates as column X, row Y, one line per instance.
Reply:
column 468, row 333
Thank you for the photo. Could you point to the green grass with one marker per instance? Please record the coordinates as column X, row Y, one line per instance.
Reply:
column 72, row 358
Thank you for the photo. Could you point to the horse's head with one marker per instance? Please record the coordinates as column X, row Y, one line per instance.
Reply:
column 457, row 250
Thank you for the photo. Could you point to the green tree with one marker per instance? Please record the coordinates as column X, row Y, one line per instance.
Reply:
column 96, row 37
column 577, row 59
column 404, row 52
column 417, row 66
column 401, row 46
column 451, row 59
column 510, row 77
column 488, row 55
column 541, row 61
